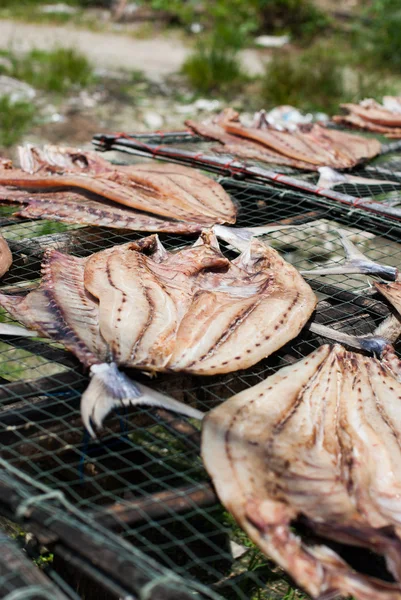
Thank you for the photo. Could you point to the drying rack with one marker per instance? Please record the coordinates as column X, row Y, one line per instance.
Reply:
column 134, row 515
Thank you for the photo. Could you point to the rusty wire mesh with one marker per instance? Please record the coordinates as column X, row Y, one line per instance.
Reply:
column 137, row 514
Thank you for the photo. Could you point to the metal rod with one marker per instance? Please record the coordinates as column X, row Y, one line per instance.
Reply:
column 190, row 435
column 14, row 391
column 18, row 574
column 391, row 147
column 338, row 294
column 233, row 166
column 155, row 506
column 80, row 536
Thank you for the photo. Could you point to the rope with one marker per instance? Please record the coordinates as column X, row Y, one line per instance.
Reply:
column 24, row 505
column 147, row 589
column 30, row 591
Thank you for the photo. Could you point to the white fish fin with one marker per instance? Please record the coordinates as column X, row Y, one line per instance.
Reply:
column 110, row 388
column 356, row 262
column 376, row 343
column 329, row 178
column 9, row 329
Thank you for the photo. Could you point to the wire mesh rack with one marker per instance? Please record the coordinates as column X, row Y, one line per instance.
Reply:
column 133, row 515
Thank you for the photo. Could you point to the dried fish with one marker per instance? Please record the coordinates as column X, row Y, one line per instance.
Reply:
column 370, row 115
column 235, row 146
column 187, row 198
column 305, row 147
column 193, row 310
column 81, row 208
column 327, row 454
column 6, row 258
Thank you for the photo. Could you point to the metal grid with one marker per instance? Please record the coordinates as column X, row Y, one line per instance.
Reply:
column 141, row 494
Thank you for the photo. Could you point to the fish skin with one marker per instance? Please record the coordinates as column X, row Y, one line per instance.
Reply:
column 329, row 451
column 172, row 191
column 192, row 310
column 261, row 154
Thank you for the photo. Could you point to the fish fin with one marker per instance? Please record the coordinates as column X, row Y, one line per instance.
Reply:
column 376, row 343
column 356, row 262
column 329, row 178
column 110, row 388
column 9, row 329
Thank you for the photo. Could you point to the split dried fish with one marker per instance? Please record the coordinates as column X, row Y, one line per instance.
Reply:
column 327, row 454
column 188, row 199
column 306, row 147
column 192, row 310
column 140, row 306
column 371, row 115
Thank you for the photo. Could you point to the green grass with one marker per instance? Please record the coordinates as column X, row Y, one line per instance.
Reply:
column 56, row 70
column 214, row 68
column 15, row 120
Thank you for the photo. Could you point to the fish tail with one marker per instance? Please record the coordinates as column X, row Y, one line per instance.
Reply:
column 110, row 388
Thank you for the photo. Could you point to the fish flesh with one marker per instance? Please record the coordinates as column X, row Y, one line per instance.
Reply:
column 240, row 147
column 193, row 310
column 311, row 145
column 158, row 191
column 6, row 258
column 359, row 123
column 372, row 111
column 83, row 209
column 371, row 115
column 327, row 455
column 137, row 305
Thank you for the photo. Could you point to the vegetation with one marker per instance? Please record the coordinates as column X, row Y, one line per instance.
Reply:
column 54, row 71
column 214, row 66
column 319, row 79
column 15, row 119
column 383, row 33
column 301, row 18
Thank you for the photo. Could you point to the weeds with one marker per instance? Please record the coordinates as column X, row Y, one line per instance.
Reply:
column 53, row 71
column 215, row 65
column 383, row 35
column 15, row 119
column 302, row 19
column 318, row 79
column 313, row 80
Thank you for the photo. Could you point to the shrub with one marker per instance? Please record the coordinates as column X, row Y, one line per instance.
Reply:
column 15, row 118
column 383, row 34
column 312, row 80
column 214, row 67
column 300, row 18
column 321, row 77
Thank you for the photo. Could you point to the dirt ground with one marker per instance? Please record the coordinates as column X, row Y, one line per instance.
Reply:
column 157, row 56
